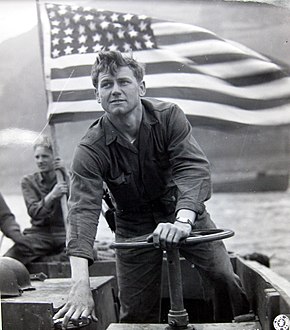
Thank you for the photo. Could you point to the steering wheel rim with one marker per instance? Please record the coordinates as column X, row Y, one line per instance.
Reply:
column 196, row 236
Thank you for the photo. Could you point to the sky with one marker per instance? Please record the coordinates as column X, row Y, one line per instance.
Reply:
column 16, row 17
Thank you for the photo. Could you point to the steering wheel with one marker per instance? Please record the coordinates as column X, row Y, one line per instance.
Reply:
column 195, row 237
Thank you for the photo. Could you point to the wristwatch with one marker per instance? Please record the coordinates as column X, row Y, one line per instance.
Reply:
column 184, row 220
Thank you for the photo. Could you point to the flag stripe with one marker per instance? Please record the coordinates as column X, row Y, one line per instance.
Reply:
column 238, row 69
column 163, row 40
column 218, row 58
column 172, row 28
column 71, row 71
column 186, row 93
column 208, row 95
column 259, row 79
column 70, row 96
column 174, row 67
column 193, row 109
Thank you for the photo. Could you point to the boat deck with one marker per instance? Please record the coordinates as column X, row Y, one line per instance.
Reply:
column 208, row 326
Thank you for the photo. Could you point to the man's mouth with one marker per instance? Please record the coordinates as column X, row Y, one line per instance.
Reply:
column 117, row 101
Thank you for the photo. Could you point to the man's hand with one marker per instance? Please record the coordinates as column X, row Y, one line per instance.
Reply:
column 59, row 165
column 59, row 189
column 168, row 235
column 80, row 304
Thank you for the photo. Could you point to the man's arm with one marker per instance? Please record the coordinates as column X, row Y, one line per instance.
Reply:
column 84, row 208
column 191, row 174
column 190, row 167
column 11, row 228
column 84, row 205
column 39, row 208
column 8, row 223
column 186, row 214
column 80, row 303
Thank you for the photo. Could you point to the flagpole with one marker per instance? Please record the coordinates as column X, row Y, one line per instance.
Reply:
column 40, row 32
column 59, row 174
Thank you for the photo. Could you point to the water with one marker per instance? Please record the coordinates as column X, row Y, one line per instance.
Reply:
column 278, row 3
column 260, row 222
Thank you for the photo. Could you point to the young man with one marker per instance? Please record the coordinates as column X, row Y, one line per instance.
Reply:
column 42, row 194
column 143, row 149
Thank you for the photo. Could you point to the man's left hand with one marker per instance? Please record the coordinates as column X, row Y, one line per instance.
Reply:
column 168, row 235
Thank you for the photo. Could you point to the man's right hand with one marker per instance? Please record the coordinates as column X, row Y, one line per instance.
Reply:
column 80, row 304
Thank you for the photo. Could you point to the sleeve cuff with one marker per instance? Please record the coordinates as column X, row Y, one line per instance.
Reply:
column 86, row 251
column 196, row 207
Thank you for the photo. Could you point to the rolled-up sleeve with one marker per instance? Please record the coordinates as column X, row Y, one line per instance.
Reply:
column 84, row 203
column 191, row 170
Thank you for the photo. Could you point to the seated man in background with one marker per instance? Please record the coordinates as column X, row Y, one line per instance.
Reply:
column 42, row 194
column 11, row 229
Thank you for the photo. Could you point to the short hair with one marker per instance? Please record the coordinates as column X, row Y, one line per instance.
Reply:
column 111, row 61
column 43, row 141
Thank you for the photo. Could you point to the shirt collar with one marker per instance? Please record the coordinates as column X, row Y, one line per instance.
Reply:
column 39, row 177
column 111, row 134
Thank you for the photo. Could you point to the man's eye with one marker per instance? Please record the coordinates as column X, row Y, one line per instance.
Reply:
column 106, row 84
column 124, row 82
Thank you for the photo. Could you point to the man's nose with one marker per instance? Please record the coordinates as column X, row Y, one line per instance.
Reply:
column 116, row 88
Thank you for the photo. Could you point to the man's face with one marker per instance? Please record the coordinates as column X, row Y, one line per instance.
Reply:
column 44, row 159
column 119, row 94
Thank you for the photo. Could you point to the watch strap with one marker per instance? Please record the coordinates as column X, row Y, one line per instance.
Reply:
column 184, row 220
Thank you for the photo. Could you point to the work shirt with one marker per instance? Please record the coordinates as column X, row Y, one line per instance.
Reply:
column 164, row 167
column 34, row 189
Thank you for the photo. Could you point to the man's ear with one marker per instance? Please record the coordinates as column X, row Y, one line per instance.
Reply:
column 142, row 88
column 97, row 96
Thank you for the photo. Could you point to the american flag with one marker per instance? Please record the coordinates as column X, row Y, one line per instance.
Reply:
column 214, row 81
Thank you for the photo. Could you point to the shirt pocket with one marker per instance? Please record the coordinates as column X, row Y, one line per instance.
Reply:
column 123, row 188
